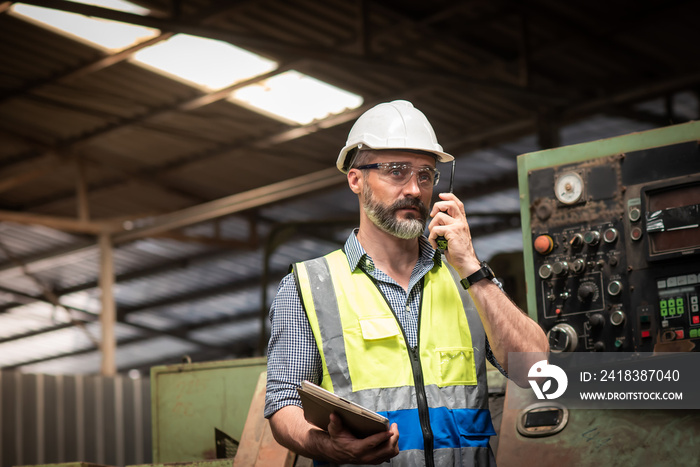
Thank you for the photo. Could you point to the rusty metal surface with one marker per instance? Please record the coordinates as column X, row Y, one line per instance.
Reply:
column 609, row 438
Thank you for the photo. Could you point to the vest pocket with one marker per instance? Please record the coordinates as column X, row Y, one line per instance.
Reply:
column 457, row 366
column 379, row 327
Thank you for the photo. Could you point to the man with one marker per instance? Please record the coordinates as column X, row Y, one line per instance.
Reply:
column 383, row 323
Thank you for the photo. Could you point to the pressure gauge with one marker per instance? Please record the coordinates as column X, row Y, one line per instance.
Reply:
column 568, row 188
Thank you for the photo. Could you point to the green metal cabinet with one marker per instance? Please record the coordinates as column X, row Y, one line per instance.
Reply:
column 189, row 401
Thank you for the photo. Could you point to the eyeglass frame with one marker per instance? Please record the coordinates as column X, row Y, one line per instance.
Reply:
column 414, row 170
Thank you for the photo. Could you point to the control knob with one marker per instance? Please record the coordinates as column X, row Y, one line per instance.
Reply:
column 596, row 320
column 562, row 338
column 586, row 291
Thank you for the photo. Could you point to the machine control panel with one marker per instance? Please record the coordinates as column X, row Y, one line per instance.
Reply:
column 614, row 243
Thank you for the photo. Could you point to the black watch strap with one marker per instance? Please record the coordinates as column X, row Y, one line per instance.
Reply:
column 484, row 273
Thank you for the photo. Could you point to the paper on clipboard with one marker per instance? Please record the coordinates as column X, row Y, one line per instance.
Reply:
column 319, row 404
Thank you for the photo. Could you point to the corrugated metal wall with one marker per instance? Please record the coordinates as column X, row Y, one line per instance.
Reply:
column 66, row 418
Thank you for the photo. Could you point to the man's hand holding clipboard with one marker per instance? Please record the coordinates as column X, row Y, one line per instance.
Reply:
column 319, row 404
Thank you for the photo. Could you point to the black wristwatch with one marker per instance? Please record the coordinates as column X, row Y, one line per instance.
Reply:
column 484, row 273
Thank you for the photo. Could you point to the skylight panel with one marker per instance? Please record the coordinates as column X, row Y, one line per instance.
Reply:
column 207, row 63
column 295, row 98
column 110, row 36
column 210, row 65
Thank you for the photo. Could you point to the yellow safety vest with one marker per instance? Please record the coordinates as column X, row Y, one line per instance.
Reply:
column 437, row 393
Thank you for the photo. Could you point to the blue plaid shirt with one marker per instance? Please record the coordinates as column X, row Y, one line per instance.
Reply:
column 292, row 355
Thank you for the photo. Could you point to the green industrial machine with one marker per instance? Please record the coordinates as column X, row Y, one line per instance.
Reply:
column 600, row 264
column 611, row 247
column 191, row 401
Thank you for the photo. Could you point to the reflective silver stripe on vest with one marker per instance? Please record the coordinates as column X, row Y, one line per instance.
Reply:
column 326, row 305
column 391, row 399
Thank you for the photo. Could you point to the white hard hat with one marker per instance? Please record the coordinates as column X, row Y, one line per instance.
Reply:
column 391, row 125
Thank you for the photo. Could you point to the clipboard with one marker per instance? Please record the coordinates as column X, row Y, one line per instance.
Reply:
column 319, row 404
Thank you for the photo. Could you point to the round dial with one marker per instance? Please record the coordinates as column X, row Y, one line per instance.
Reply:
column 568, row 188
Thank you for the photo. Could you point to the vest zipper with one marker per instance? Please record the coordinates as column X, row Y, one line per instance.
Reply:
column 418, row 383
column 423, row 414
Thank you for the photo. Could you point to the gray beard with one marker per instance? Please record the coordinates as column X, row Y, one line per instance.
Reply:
column 385, row 218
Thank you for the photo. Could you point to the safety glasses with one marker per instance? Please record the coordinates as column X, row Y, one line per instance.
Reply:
column 399, row 173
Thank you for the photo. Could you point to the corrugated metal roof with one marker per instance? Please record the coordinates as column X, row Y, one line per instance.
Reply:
column 496, row 80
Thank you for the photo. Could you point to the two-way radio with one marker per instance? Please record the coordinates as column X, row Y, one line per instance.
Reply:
column 441, row 240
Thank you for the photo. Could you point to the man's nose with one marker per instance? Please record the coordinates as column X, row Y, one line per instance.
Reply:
column 412, row 186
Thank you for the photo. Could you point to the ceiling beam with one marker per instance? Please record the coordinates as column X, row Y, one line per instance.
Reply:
column 264, row 142
column 91, row 66
column 232, row 204
column 65, row 224
column 35, row 332
column 36, row 172
column 190, row 104
column 316, row 52
column 48, row 260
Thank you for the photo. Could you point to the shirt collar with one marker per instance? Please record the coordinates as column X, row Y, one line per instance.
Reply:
column 355, row 253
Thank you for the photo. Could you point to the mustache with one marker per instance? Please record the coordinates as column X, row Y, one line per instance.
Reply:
column 410, row 203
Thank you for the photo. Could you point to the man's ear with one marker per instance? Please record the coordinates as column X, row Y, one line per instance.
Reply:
column 355, row 180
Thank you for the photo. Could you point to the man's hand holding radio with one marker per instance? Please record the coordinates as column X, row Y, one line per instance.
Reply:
column 450, row 221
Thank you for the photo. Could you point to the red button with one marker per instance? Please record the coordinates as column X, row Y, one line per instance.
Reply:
column 557, row 310
column 679, row 334
column 544, row 244
column 696, row 319
column 646, row 334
